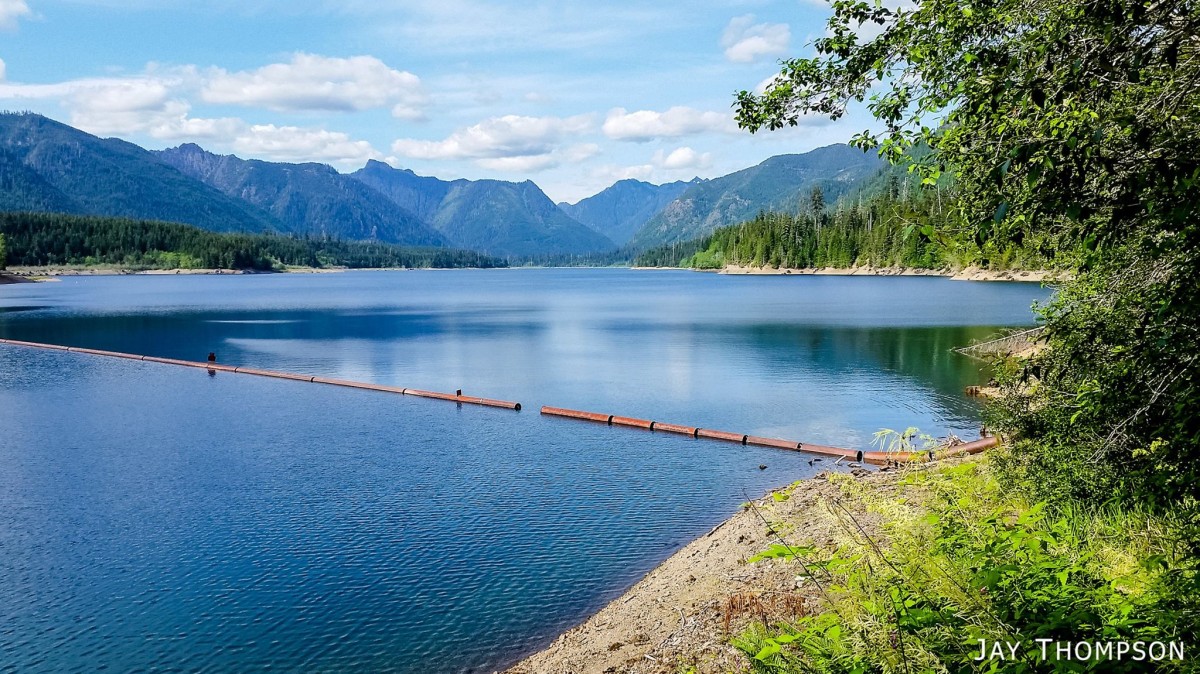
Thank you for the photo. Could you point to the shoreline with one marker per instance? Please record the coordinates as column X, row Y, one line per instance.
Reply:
column 42, row 273
column 966, row 274
column 680, row 616
column 22, row 274
column 47, row 273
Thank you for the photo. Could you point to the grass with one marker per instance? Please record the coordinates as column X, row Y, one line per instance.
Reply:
column 951, row 558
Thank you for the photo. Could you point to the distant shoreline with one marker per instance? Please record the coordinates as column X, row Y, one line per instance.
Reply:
column 967, row 274
column 22, row 274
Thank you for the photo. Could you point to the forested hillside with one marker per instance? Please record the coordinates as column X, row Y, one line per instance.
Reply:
column 308, row 198
column 49, row 166
column 779, row 184
column 889, row 222
column 48, row 239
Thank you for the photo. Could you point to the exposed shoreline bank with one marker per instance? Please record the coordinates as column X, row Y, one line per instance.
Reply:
column 18, row 274
column 682, row 613
column 22, row 274
column 43, row 273
column 967, row 274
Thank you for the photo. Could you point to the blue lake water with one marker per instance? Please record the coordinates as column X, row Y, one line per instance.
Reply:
column 154, row 517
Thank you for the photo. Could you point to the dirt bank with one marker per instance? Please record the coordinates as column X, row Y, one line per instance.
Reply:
column 683, row 613
column 34, row 273
column 968, row 274
column 6, row 278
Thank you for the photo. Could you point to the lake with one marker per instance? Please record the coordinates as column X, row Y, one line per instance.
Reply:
column 154, row 517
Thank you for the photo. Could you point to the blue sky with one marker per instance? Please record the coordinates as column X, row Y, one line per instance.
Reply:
column 571, row 95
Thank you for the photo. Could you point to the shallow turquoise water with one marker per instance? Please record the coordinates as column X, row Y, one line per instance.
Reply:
column 159, row 518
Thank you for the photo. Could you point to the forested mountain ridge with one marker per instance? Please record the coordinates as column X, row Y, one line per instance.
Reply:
column 306, row 198
column 778, row 184
column 53, row 167
column 46, row 166
column 55, row 239
column 493, row 216
column 620, row 210
column 883, row 222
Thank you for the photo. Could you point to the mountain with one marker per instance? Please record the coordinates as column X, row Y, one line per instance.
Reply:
column 622, row 209
column 305, row 198
column 491, row 216
column 49, row 166
column 778, row 184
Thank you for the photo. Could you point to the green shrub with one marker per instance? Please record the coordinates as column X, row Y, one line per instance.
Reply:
column 966, row 561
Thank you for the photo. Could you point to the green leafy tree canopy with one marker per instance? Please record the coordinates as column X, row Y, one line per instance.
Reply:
column 1074, row 116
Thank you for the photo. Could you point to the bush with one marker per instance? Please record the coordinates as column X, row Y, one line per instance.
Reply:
column 966, row 561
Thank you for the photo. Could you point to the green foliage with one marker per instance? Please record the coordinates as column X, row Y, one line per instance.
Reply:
column 963, row 561
column 46, row 239
column 1109, row 409
column 671, row 254
column 910, row 439
column 1073, row 124
column 3, row 252
column 888, row 221
column 1076, row 118
column 705, row 259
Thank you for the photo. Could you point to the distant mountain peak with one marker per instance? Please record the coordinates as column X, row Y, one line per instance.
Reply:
column 778, row 183
column 58, row 167
column 309, row 198
column 495, row 216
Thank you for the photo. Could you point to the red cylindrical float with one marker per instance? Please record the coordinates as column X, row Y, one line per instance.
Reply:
column 630, row 421
column 721, row 435
column 112, row 354
column 359, row 385
column 577, row 414
column 772, row 442
column 36, row 345
column 823, row 450
column 268, row 373
column 675, row 428
column 174, row 361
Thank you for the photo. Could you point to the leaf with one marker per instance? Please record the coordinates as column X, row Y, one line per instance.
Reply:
column 777, row 551
column 767, row 651
column 1001, row 211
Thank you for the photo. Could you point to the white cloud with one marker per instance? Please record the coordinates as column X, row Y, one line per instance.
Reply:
column 11, row 11
column 3, row 70
column 540, row 162
column 296, row 144
column 645, row 125
column 312, row 82
column 149, row 104
column 766, row 84
column 504, row 137
column 609, row 174
column 683, row 158
column 475, row 27
column 680, row 163
column 531, row 164
column 745, row 41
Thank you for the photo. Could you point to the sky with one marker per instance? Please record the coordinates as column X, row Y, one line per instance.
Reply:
column 571, row 95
